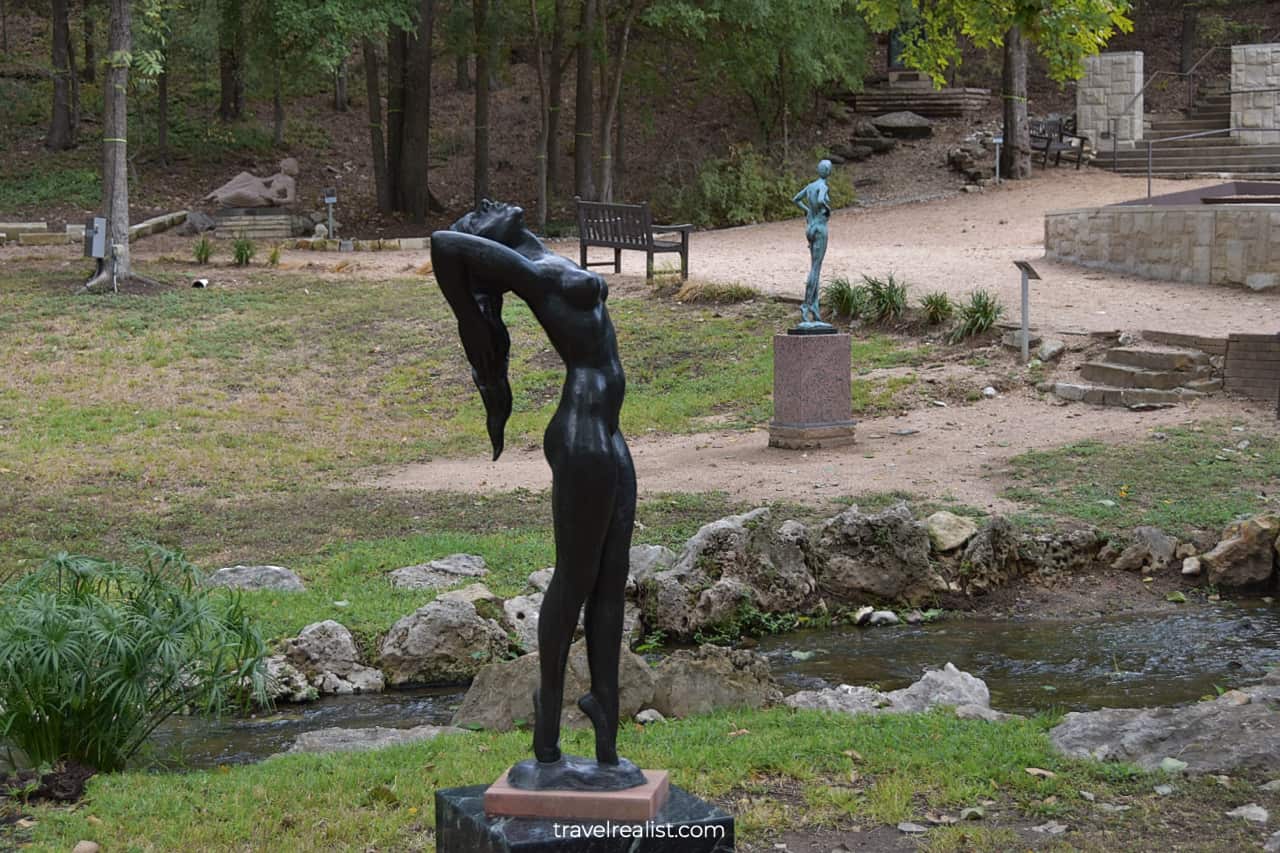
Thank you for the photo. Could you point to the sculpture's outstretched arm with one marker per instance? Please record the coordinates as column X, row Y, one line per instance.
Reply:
column 473, row 272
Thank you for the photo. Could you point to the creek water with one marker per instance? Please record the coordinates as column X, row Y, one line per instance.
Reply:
column 1163, row 658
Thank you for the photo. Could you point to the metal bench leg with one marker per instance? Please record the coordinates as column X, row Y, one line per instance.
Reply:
column 648, row 265
column 583, row 248
column 617, row 260
column 684, row 264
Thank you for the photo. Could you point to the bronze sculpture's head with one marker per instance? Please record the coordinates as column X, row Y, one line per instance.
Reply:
column 494, row 220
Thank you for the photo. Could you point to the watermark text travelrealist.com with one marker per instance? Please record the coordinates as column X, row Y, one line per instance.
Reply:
column 648, row 829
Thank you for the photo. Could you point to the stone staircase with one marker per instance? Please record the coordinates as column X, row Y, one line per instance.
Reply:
column 1220, row 153
column 1143, row 378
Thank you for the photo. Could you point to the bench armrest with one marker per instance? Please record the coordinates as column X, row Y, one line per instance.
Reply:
column 685, row 227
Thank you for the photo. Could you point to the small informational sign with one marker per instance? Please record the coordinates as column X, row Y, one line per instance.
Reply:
column 95, row 237
column 331, row 195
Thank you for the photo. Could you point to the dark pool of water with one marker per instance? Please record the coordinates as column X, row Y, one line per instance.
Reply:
column 1163, row 658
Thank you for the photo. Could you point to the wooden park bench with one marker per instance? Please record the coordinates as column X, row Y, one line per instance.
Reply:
column 1055, row 137
column 628, row 226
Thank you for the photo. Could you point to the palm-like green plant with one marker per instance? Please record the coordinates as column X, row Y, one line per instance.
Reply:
column 886, row 298
column 977, row 315
column 94, row 655
column 938, row 307
column 842, row 299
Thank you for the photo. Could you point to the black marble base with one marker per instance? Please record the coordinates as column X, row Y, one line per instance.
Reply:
column 685, row 825
column 812, row 328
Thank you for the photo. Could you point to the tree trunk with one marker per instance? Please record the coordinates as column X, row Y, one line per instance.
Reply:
column 584, row 105
column 619, row 150
column 1190, row 34
column 555, row 84
column 1015, row 156
column 414, row 193
column 397, row 47
column 162, row 114
column 373, row 92
column 4, row 26
column 480, row 20
column 611, row 106
column 62, row 127
column 539, row 64
column 231, row 60
column 115, row 120
column 341, row 99
column 88, row 72
column 461, row 73
column 277, row 107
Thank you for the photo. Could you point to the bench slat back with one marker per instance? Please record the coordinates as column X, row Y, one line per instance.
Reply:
column 625, row 226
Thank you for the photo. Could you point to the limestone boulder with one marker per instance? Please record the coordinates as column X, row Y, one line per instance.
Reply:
column 948, row 686
column 1233, row 733
column 257, row 577
column 706, row 679
column 736, row 562
column 286, row 683
column 521, row 615
column 646, row 560
column 991, row 558
column 844, row 699
column 1245, row 557
column 373, row 737
column 480, row 597
column 502, row 693
column 904, row 125
column 444, row 642
column 948, row 531
column 440, row 574
column 326, row 654
column 879, row 557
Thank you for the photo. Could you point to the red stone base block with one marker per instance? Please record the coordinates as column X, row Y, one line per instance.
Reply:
column 634, row 804
column 812, row 399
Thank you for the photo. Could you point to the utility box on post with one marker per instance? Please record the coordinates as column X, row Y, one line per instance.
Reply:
column 95, row 238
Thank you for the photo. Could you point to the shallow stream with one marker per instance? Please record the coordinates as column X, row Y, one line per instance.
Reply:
column 1164, row 658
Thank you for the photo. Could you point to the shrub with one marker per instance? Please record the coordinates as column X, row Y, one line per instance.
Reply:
column 741, row 188
column 94, row 655
column 203, row 249
column 977, row 315
column 273, row 259
column 938, row 308
column 243, row 250
column 886, row 298
column 843, row 299
column 717, row 292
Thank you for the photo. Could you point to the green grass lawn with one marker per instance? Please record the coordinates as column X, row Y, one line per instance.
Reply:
column 775, row 770
column 1183, row 480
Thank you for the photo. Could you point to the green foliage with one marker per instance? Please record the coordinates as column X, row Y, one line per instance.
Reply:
column 978, row 315
column 51, row 185
column 1065, row 32
column 938, row 307
column 273, row 259
column 243, row 251
column 886, row 299
column 778, row 54
column 94, row 655
column 202, row 250
column 748, row 621
column 742, row 188
column 844, row 299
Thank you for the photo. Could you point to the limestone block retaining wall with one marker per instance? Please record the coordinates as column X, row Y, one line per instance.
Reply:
column 1110, row 82
column 1256, row 67
column 1205, row 244
column 1250, row 363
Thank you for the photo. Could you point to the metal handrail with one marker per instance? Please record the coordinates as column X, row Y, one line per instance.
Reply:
column 1189, row 74
column 1151, row 143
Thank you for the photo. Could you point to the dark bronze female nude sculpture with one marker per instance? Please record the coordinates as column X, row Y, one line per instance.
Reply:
column 486, row 254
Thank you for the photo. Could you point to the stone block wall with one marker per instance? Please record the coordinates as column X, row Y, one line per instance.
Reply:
column 1205, row 244
column 1253, row 67
column 1110, row 82
column 1253, row 366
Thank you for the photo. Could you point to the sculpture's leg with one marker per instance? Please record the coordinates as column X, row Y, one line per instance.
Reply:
column 604, row 615
column 817, row 251
column 582, row 501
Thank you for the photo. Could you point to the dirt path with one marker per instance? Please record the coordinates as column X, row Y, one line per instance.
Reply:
column 958, row 452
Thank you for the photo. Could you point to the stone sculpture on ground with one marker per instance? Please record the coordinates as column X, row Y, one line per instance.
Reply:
column 248, row 190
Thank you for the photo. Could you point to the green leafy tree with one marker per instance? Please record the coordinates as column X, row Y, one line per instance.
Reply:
column 1064, row 32
column 775, row 53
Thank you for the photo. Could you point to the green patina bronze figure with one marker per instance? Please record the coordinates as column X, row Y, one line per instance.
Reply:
column 815, row 201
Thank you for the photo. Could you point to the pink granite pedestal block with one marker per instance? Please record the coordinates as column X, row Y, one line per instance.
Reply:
column 632, row 804
column 812, row 401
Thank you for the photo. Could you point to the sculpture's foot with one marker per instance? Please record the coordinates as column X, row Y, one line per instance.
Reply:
column 546, row 731
column 812, row 327
column 575, row 773
column 606, row 734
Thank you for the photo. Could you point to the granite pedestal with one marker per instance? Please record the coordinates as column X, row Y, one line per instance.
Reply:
column 685, row 824
column 812, row 400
